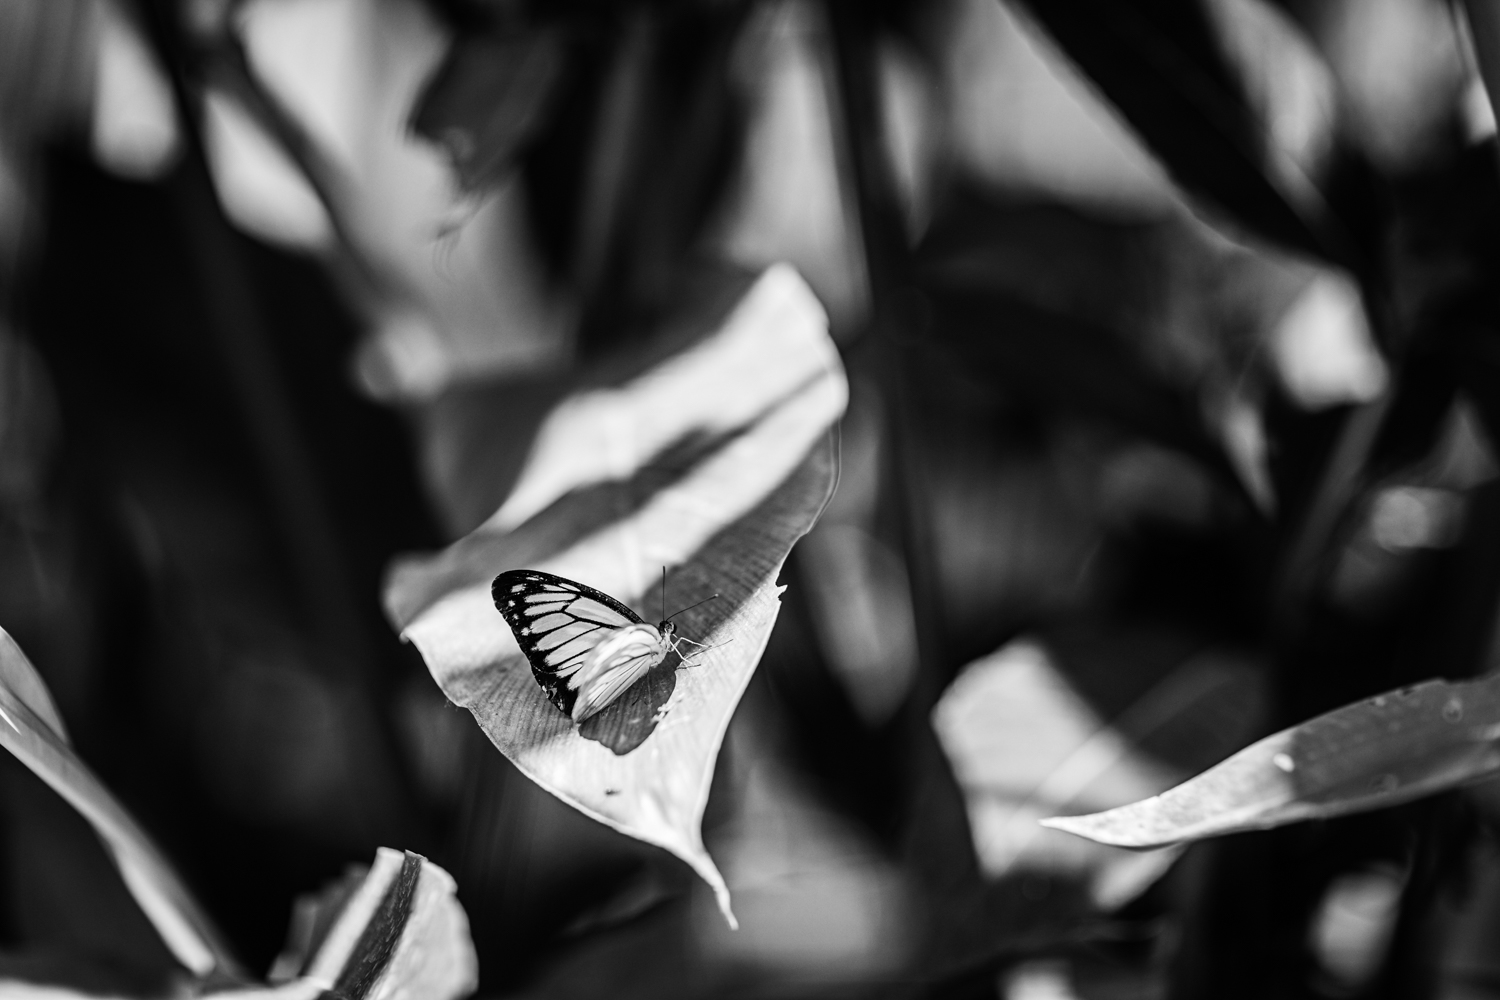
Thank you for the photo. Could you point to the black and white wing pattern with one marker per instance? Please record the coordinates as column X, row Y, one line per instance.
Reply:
column 585, row 647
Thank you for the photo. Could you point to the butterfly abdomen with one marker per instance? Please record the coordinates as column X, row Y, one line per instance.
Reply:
column 615, row 664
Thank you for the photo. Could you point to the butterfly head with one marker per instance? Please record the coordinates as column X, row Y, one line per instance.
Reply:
column 668, row 628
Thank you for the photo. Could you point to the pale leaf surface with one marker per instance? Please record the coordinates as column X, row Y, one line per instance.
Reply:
column 711, row 464
column 1375, row 753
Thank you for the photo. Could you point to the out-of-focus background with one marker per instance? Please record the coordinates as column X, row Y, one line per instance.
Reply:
column 1171, row 328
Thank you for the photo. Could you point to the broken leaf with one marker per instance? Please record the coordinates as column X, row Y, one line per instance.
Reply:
column 1375, row 753
column 711, row 464
column 392, row 930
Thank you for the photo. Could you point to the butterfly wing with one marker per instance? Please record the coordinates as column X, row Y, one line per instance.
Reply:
column 581, row 643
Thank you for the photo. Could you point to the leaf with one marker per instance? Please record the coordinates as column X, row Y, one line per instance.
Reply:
column 489, row 97
column 392, row 930
column 1162, row 67
column 17, row 674
column 33, row 731
column 712, row 464
column 1057, row 362
column 1151, row 328
column 1373, row 754
column 817, row 899
column 1022, row 743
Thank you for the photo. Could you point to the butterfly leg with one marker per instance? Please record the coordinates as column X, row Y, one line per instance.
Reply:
column 702, row 649
column 677, row 648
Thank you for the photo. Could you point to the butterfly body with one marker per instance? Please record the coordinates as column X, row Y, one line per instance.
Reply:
column 585, row 648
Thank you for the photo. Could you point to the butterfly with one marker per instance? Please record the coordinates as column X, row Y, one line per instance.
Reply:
column 585, row 648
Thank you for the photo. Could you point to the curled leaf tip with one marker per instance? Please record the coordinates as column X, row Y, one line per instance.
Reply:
column 721, row 896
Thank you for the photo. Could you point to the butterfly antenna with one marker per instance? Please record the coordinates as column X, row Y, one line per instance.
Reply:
column 664, row 593
column 690, row 607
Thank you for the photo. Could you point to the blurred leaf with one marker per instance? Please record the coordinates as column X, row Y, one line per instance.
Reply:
column 17, row 673
column 1354, row 925
column 33, row 732
column 1435, row 311
column 262, row 189
column 44, row 73
column 1148, row 327
column 1057, row 362
column 712, row 464
column 392, row 930
column 1373, row 754
column 1322, row 347
column 1159, row 63
column 1022, row 742
column 817, row 901
column 626, row 125
column 862, row 617
column 659, row 164
column 488, row 98
column 134, row 129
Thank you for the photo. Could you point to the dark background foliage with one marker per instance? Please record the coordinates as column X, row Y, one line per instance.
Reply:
column 199, row 505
